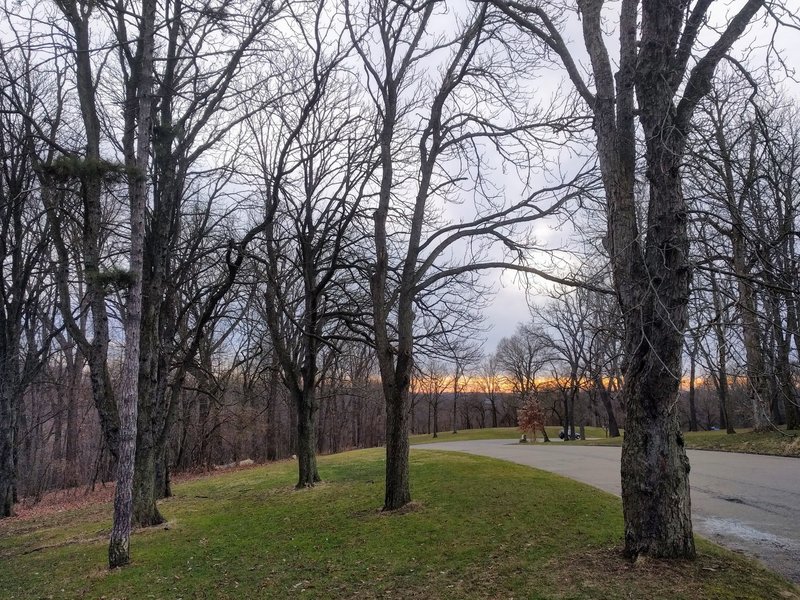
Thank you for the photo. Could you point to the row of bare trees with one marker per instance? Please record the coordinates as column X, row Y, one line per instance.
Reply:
column 264, row 200
column 743, row 180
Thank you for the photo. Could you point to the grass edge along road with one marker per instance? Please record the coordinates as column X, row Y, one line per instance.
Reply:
column 774, row 443
column 479, row 528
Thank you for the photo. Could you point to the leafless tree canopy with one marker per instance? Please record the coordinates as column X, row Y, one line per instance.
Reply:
column 255, row 230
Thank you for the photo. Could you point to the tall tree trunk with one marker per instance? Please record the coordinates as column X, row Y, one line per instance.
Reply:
column 398, row 492
column 455, row 400
column 58, row 429
column 293, row 427
column 75, row 363
column 71, row 441
column 781, row 367
column 306, row 439
column 655, row 469
column 119, row 546
column 145, row 512
column 8, row 422
column 163, row 481
column 96, row 350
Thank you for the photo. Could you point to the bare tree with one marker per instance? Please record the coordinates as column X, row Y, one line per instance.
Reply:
column 739, row 158
column 136, row 145
column 489, row 384
column 24, row 294
column 468, row 103
column 194, row 90
column 522, row 358
column 662, row 65
column 312, row 187
column 465, row 354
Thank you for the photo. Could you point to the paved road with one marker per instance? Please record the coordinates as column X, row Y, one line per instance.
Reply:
column 746, row 502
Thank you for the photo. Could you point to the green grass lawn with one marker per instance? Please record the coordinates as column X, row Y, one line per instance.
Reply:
column 480, row 528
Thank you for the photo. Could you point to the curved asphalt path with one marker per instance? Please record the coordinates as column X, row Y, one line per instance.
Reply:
column 747, row 502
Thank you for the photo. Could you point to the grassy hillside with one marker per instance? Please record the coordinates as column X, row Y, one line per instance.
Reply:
column 480, row 529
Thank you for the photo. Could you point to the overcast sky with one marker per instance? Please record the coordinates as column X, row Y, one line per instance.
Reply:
column 510, row 305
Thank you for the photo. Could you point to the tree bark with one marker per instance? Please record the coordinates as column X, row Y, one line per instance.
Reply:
column 119, row 546
column 7, row 445
column 145, row 512
column 722, row 355
column 655, row 468
column 306, row 440
column 651, row 272
column 398, row 491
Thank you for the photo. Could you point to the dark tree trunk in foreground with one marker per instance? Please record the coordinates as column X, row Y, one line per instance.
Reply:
column 306, row 440
column 7, row 429
column 655, row 469
column 657, row 41
column 145, row 512
column 398, row 491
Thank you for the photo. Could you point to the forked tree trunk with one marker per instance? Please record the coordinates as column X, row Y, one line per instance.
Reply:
column 96, row 351
column 656, row 86
column 655, row 468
